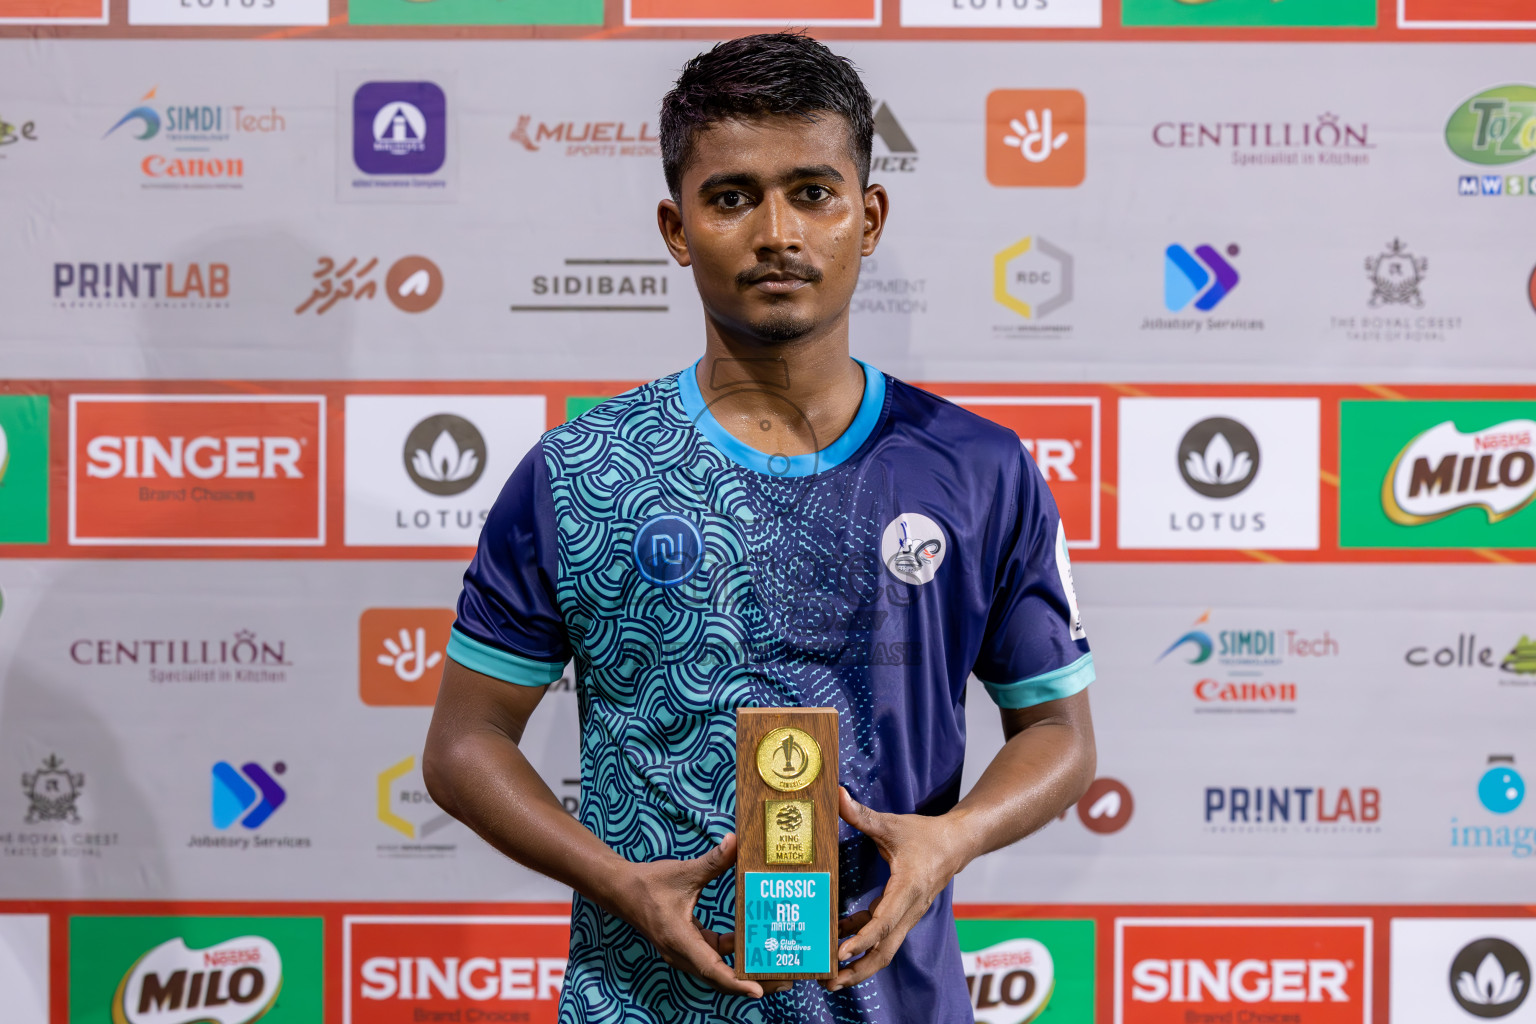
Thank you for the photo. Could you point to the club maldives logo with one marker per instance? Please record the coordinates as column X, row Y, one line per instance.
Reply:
column 193, row 128
column 1036, row 137
column 52, row 792
column 1033, row 278
column 400, row 652
column 248, row 795
column 445, row 454
column 399, row 128
column 1490, row 978
column 587, row 138
column 1437, row 474
column 1186, row 277
column 412, row 284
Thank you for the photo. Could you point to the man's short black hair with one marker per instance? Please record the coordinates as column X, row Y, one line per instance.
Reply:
column 769, row 75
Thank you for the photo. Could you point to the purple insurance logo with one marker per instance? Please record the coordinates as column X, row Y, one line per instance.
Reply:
column 399, row 128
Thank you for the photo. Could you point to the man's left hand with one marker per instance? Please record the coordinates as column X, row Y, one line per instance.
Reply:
column 924, row 854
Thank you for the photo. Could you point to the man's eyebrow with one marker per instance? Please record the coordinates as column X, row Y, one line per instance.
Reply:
column 745, row 179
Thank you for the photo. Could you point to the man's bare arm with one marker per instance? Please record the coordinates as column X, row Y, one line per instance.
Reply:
column 475, row 771
column 1046, row 764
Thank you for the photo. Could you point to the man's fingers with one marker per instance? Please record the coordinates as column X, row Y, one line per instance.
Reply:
column 871, row 823
column 717, row 861
column 698, row 956
column 876, row 928
column 875, row 960
column 853, row 922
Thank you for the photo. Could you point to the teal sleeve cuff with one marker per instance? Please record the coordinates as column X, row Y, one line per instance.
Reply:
column 1026, row 693
column 499, row 664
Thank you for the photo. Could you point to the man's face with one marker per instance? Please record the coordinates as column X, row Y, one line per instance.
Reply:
column 773, row 222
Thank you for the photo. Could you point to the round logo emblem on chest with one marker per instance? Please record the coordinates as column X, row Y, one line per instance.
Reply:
column 913, row 547
column 668, row 549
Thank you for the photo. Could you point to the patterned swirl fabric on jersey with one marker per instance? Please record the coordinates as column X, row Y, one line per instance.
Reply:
column 791, row 603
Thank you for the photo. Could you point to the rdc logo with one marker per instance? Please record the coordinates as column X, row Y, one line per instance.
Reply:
column 668, row 549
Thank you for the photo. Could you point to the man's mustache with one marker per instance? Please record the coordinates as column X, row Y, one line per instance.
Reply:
column 782, row 268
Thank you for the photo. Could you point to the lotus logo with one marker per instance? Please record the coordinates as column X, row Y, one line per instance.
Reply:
column 234, row 982
column 1219, row 457
column 1490, row 978
column 445, row 454
column 1445, row 470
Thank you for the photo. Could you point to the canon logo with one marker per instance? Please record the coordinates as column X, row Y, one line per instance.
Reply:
column 204, row 457
column 479, row 978
column 1054, row 456
column 1247, row 981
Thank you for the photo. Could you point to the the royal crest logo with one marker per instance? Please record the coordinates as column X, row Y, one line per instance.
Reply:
column 913, row 547
column 1444, row 470
column 234, row 982
column 1395, row 275
column 52, row 791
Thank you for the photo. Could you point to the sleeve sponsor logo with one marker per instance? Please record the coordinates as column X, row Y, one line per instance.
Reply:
column 197, row 469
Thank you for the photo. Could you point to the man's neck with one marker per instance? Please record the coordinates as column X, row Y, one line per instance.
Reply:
column 789, row 398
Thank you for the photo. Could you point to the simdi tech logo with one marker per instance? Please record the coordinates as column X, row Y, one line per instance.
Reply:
column 1017, row 970
column 1431, row 474
column 1245, row 666
column 400, row 655
column 1037, row 137
column 1461, row 969
column 191, row 142
column 24, row 469
column 195, row 970
column 402, row 970
column 186, row 470
column 1175, row 970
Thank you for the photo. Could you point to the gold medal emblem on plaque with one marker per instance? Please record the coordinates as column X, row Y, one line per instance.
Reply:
column 789, row 837
column 788, row 759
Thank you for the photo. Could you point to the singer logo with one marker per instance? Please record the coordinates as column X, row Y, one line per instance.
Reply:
column 400, row 655
column 407, row 969
column 1062, row 435
column 197, row 469
column 1173, row 970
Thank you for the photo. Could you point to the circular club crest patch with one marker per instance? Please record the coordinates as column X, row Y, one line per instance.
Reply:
column 913, row 547
column 668, row 549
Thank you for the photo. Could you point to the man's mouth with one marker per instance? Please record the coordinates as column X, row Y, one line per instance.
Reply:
column 779, row 281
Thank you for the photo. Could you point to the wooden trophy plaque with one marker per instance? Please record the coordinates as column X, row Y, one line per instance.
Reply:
column 786, row 830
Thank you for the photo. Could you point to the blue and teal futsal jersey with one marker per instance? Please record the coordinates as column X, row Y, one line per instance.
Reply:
column 689, row 575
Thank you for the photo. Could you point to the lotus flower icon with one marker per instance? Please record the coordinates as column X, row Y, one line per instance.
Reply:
column 445, row 454
column 1219, row 464
column 1489, row 977
column 1219, row 457
column 1490, row 986
column 446, row 462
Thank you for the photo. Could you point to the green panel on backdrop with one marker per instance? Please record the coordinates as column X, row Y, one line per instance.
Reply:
column 104, row 952
column 1374, row 434
column 1248, row 13
column 475, row 12
column 575, row 405
column 23, row 469
column 1004, row 951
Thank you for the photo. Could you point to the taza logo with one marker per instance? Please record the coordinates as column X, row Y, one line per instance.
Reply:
column 1219, row 457
column 52, row 791
column 1444, row 470
column 234, row 982
column 1494, row 127
column 913, row 547
column 445, row 454
column 1490, row 978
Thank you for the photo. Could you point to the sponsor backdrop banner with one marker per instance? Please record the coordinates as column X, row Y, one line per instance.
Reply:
column 1252, row 281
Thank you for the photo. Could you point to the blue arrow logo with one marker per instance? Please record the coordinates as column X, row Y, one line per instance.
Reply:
column 1185, row 277
column 248, row 795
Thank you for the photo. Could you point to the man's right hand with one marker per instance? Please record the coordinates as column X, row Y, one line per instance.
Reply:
column 658, row 899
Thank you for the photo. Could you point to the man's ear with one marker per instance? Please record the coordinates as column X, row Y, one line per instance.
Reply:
column 877, row 207
column 669, row 219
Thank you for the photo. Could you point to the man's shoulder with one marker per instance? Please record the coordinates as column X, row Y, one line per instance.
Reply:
column 934, row 421
column 629, row 417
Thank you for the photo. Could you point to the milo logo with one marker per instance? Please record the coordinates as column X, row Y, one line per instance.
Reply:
column 1497, row 126
column 1444, row 470
column 234, row 982
column 1017, row 970
column 1010, row 982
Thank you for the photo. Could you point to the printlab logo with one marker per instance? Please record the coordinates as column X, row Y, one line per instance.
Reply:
column 587, row 138
column 399, row 128
column 445, row 454
column 160, row 285
column 1219, row 457
column 399, row 650
column 1490, row 978
column 405, row 806
column 1033, row 278
column 1036, row 137
column 1308, row 809
column 52, row 792
column 668, row 549
column 1186, row 276
column 913, row 547
column 413, row 284
column 249, row 795
column 1106, row 807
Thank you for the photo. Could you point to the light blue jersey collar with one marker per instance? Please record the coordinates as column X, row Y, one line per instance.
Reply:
column 743, row 454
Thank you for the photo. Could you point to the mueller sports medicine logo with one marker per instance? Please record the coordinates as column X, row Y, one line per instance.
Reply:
column 1444, row 470
column 1316, row 970
column 237, row 470
column 159, row 285
column 401, row 970
column 1036, row 137
column 1326, row 141
column 587, row 138
column 233, row 982
column 191, row 142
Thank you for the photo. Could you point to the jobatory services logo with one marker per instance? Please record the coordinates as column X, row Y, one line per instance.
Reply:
column 1062, row 436
column 1174, row 970
column 599, row 284
column 1244, row 667
column 188, row 470
column 1015, row 970
column 405, row 806
column 629, row 137
column 406, row 969
column 1197, row 280
column 248, row 795
column 1457, row 14
column 1493, row 826
column 1327, row 140
column 157, row 285
column 1033, row 278
column 1285, row 809
column 196, row 970
column 1219, row 473
column 1397, row 308
column 424, row 470
column 1459, row 474
column 1036, row 138
column 400, row 655
column 193, row 145
column 24, row 456
column 242, row 656
column 913, row 547
column 1248, row 14
column 1460, row 969
column 412, row 284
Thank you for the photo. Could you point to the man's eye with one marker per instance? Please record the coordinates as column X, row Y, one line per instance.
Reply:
column 816, row 193
column 731, row 200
